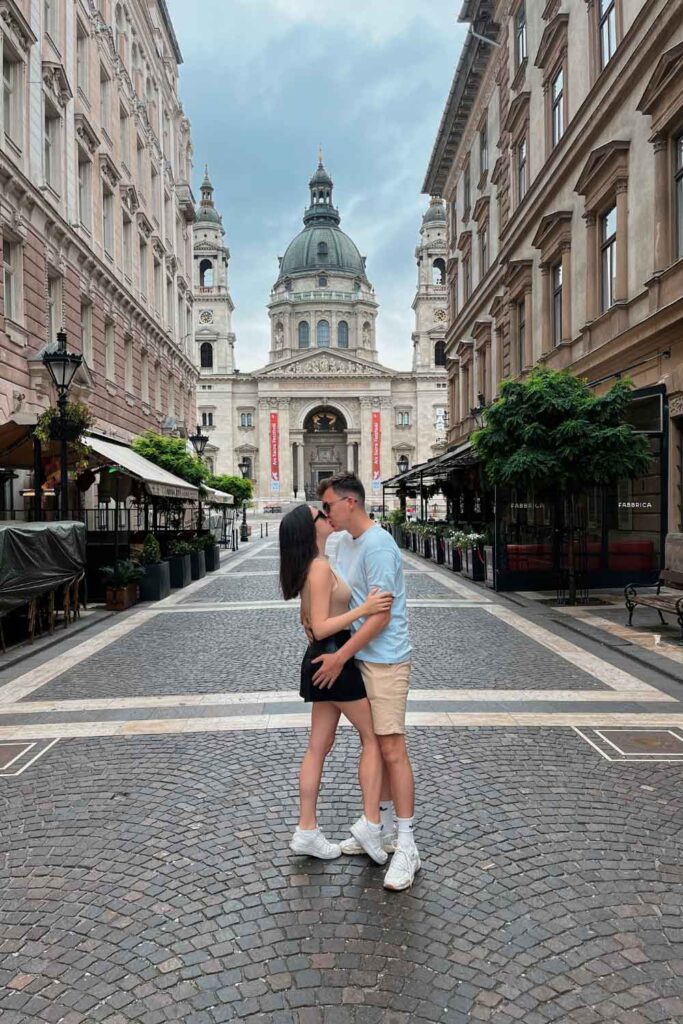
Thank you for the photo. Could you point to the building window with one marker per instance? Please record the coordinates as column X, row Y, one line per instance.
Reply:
column 678, row 184
column 124, row 135
column 246, row 419
column 322, row 281
column 84, row 204
column 304, row 334
column 342, row 334
column 521, row 170
column 158, row 285
column 521, row 334
column 440, row 353
column 144, row 377
column 105, row 98
column 157, row 385
column 484, row 148
column 82, row 43
column 438, row 271
column 608, row 257
column 322, row 334
column 143, row 266
column 520, row 35
column 402, row 418
column 54, row 306
column 557, row 109
column 169, row 303
column 109, row 342
column 12, row 71
column 128, row 365
column 10, row 261
column 206, row 355
column 322, row 252
column 207, row 419
column 484, row 248
column 556, row 284
column 206, row 274
column 466, row 277
column 51, row 148
column 50, row 17
column 108, row 220
column 127, row 244
column 86, row 332
column 466, row 190
column 607, row 28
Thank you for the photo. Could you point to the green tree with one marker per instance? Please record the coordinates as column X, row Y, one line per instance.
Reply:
column 552, row 435
column 235, row 485
column 171, row 453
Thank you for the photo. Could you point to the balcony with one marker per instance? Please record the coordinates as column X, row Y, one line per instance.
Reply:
column 186, row 202
column 218, row 289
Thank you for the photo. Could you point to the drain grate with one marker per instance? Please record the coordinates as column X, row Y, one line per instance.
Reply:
column 646, row 745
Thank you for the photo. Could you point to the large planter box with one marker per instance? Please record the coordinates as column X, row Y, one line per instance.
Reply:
column 180, row 570
column 437, row 550
column 155, row 585
column 490, row 574
column 197, row 565
column 473, row 564
column 120, row 598
column 212, row 557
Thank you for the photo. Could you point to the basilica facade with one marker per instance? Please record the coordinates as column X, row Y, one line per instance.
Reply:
column 323, row 402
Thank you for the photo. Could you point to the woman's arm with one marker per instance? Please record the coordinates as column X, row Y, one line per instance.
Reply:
column 321, row 581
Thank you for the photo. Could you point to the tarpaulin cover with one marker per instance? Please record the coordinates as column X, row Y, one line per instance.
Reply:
column 36, row 558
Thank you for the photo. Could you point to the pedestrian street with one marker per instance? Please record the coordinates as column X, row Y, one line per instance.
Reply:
column 149, row 792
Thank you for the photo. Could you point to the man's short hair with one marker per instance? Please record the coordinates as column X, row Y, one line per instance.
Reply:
column 346, row 485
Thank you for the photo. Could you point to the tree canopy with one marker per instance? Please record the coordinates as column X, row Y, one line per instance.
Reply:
column 171, row 453
column 235, row 485
column 550, row 432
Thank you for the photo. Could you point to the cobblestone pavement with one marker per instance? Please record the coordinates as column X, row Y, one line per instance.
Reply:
column 145, row 874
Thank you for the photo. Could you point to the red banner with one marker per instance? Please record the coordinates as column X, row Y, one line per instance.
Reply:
column 274, row 454
column 376, row 443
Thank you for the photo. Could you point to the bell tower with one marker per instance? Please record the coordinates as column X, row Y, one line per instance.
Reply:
column 214, row 339
column 430, row 303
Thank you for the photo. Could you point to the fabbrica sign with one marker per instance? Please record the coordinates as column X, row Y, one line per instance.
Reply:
column 634, row 504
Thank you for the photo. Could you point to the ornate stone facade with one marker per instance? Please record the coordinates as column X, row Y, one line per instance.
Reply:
column 317, row 412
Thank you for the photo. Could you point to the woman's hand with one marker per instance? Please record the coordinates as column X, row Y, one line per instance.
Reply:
column 377, row 602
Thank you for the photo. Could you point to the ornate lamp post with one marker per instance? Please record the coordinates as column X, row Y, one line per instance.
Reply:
column 402, row 465
column 478, row 411
column 62, row 367
column 243, row 467
column 199, row 442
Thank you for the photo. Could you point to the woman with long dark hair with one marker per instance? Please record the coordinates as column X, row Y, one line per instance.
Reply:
column 306, row 573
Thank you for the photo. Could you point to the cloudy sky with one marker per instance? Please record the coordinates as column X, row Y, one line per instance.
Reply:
column 264, row 82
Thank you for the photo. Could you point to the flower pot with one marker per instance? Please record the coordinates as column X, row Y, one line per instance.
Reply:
column 490, row 574
column 120, row 598
column 473, row 563
column 72, row 431
column 212, row 557
column 426, row 547
column 179, row 566
column 156, row 583
column 197, row 565
column 456, row 558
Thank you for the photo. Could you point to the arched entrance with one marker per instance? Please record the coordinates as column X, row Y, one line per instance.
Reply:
column 325, row 449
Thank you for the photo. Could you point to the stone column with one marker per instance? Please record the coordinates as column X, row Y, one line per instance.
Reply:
column 547, row 312
column 301, row 470
column 662, row 201
column 591, row 267
column 566, row 293
column 349, row 456
column 528, row 330
column 621, row 285
column 497, row 361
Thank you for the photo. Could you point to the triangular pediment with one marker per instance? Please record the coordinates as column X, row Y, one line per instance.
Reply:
column 324, row 363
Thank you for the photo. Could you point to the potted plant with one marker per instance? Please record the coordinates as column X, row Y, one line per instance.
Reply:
column 121, row 581
column 453, row 551
column 473, row 565
column 179, row 564
column 155, row 583
column 489, row 558
column 197, row 560
column 212, row 552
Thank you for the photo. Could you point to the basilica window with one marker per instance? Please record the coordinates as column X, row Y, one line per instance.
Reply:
column 304, row 334
column 206, row 355
column 342, row 334
column 322, row 334
column 323, row 251
column 322, row 281
column 246, row 419
column 438, row 271
column 206, row 274
column 207, row 419
column 402, row 417
column 440, row 353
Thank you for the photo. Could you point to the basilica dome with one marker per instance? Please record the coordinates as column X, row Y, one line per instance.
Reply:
column 322, row 245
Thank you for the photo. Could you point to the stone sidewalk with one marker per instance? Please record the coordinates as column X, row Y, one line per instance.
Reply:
column 145, row 874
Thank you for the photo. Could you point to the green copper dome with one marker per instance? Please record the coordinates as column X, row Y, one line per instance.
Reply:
column 322, row 245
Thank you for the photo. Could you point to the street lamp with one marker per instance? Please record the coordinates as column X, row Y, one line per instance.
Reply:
column 62, row 367
column 243, row 467
column 478, row 411
column 199, row 442
column 403, row 464
column 402, row 468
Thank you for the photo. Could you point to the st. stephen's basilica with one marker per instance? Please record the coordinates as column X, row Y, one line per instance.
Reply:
column 323, row 402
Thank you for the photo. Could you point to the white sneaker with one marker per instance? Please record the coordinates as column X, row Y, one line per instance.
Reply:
column 369, row 841
column 404, row 866
column 315, row 845
column 351, row 847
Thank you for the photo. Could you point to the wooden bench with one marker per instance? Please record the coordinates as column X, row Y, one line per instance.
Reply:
column 669, row 604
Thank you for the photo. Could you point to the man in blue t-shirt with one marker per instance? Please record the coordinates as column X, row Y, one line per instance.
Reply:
column 367, row 556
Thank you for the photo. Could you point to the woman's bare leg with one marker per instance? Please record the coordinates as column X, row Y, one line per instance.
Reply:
column 370, row 764
column 324, row 719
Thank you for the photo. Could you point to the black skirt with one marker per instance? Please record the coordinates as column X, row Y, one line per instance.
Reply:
column 348, row 686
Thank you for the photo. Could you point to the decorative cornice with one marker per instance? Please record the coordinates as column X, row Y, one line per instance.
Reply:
column 130, row 198
column 16, row 24
column 56, row 82
column 86, row 134
column 109, row 171
column 144, row 224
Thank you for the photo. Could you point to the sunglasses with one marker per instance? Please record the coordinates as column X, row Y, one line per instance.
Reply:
column 327, row 505
column 320, row 515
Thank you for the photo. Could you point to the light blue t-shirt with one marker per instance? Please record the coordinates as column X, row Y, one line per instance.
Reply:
column 374, row 560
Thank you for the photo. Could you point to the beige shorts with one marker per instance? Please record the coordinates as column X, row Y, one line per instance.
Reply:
column 387, row 690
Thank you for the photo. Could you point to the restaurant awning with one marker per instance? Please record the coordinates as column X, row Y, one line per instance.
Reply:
column 158, row 482
column 16, row 442
column 437, row 468
column 215, row 497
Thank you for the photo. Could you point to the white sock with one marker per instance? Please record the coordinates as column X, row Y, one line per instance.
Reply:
column 374, row 826
column 405, row 832
column 307, row 831
column 386, row 814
